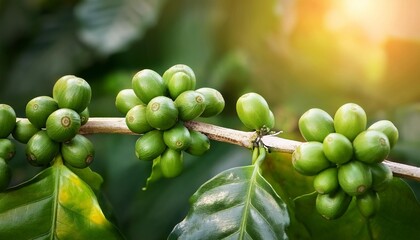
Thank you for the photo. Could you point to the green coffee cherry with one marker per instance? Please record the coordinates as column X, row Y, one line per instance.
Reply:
column 72, row 92
column 7, row 120
column 38, row 109
column 350, row 120
column 136, row 119
column 388, row 128
column 337, row 148
column 381, row 176
column 333, row 205
column 41, row 149
column 177, row 138
column 371, row 146
column 147, row 84
column 253, row 111
column 84, row 116
column 354, row 178
column 24, row 130
column 368, row 204
column 179, row 83
column 179, row 68
column 326, row 181
column 7, row 149
column 150, row 145
column 190, row 104
column 78, row 152
column 200, row 143
column 5, row 175
column 309, row 159
column 315, row 124
column 161, row 113
column 63, row 124
column 213, row 100
column 125, row 100
column 171, row 163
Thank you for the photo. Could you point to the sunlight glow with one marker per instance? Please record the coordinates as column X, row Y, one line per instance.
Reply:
column 379, row 19
column 357, row 7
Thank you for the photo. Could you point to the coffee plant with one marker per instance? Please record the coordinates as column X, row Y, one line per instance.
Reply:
column 354, row 194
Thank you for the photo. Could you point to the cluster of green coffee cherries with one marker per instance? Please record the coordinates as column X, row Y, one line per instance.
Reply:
column 157, row 107
column 52, row 125
column 345, row 158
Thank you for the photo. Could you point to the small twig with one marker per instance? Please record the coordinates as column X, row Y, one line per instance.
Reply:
column 105, row 125
column 221, row 134
column 241, row 138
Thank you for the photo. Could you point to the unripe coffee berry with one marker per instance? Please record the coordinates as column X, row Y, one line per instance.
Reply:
column 309, row 159
column 161, row 113
column 7, row 149
column 179, row 83
column 326, row 181
column 171, row 163
column 190, row 104
column 214, row 102
column 179, row 68
column 72, row 92
column 368, row 204
column 354, row 178
column 41, row 149
column 63, row 124
column 136, row 121
column 84, row 116
column 24, row 130
column 253, row 111
column 350, row 120
column 381, row 176
column 200, row 143
column 38, row 109
column 150, row 145
column 388, row 128
column 333, row 205
column 125, row 100
column 315, row 124
column 7, row 120
column 371, row 146
column 147, row 84
column 178, row 137
column 337, row 148
column 78, row 152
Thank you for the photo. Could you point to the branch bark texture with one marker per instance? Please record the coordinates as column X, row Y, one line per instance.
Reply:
column 241, row 138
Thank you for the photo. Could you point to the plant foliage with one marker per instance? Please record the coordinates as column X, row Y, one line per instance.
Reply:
column 236, row 204
column 55, row 204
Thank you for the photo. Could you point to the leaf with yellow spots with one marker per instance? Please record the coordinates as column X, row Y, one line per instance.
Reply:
column 55, row 204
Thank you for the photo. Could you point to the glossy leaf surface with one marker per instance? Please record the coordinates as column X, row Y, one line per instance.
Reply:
column 55, row 204
column 236, row 204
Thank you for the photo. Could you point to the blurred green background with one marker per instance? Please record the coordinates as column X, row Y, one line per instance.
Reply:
column 297, row 54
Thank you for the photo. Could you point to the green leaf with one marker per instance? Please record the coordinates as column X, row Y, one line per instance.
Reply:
column 93, row 179
column 236, row 204
column 398, row 217
column 55, row 204
column 110, row 25
column 155, row 174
